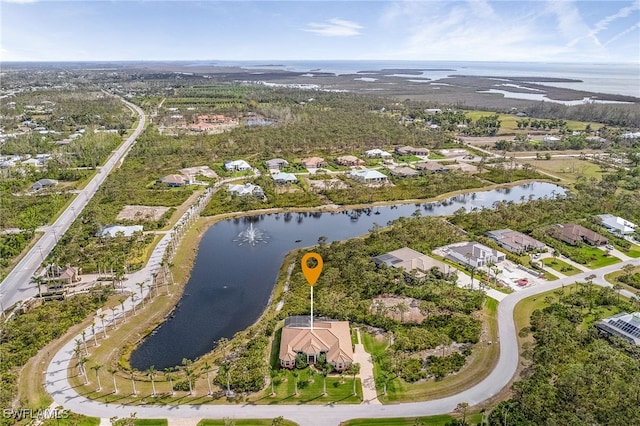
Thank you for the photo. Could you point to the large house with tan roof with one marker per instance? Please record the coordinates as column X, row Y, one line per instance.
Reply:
column 328, row 337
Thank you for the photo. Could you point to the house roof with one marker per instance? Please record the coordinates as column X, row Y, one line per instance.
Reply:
column 246, row 189
column 331, row 337
column 624, row 324
column 617, row 223
column 348, row 159
column 277, row 162
column 404, row 171
column 286, row 177
column 174, row 179
column 475, row 250
column 574, row 231
column 430, row 165
column 408, row 260
column 312, row 160
column 113, row 230
column 367, row 174
column 238, row 164
column 515, row 240
column 378, row 152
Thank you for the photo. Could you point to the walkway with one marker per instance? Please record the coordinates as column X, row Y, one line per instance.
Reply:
column 360, row 355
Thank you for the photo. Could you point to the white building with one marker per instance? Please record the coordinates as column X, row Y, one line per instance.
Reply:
column 617, row 225
column 113, row 230
column 368, row 176
column 475, row 254
column 237, row 166
column 246, row 189
column 377, row 153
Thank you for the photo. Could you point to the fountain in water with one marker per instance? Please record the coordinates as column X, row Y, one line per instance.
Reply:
column 251, row 236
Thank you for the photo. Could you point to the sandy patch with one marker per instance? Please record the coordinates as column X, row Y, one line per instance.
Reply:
column 321, row 185
column 152, row 213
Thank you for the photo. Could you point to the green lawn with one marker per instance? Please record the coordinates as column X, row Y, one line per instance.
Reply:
column 634, row 251
column 561, row 266
column 150, row 422
column 612, row 278
column 598, row 257
column 439, row 420
column 311, row 392
column 436, row 156
column 244, row 422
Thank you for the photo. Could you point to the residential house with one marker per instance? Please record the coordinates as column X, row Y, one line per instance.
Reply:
column 624, row 325
column 368, row 176
column 617, row 225
column 283, row 178
column 63, row 276
column 237, row 166
column 314, row 162
column 551, row 139
column 573, row 234
column 431, row 167
column 44, row 183
column 377, row 153
column 246, row 189
column 410, row 260
column 175, row 180
column 213, row 119
column 409, row 150
column 276, row 164
column 327, row 337
column 433, row 111
column 404, row 172
column 33, row 162
column 114, row 230
column 475, row 254
column 514, row 241
column 349, row 160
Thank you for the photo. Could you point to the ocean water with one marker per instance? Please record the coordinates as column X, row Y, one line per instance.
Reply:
column 619, row 79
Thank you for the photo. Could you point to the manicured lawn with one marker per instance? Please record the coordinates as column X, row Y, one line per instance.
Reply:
column 439, row 420
column 245, row 422
column 599, row 258
column 435, row 156
column 150, row 422
column 560, row 266
column 311, row 393
column 634, row 251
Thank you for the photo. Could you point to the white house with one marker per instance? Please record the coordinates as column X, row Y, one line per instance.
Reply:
column 617, row 225
column 282, row 177
column 551, row 139
column 237, row 166
column 475, row 254
column 377, row 153
column 246, row 189
column 368, row 176
column 113, row 230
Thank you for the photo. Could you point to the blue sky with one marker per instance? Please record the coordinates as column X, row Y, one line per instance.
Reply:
column 553, row 31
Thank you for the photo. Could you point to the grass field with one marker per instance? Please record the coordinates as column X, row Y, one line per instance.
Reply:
column 440, row 420
column 612, row 279
column 339, row 391
column 568, row 168
column 508, row 122
column 598, row 257
column 561, row 266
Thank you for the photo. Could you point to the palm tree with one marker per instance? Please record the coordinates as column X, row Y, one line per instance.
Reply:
column 37, row 280
column 295, row 377
column 133, row 382
column 84, row 341
column 151, row 372
column 273, row 373
column 141, row 286
column 104, row 329
column 81, row 362
column 93, row 332
column 97, row 368
column 169, row 376
column 113, row 316
column 187, row 371
column 222, row 344
column 124, row 313
column 325, row 371
column 355, row 370
column 113, row 372
column 133, row 302
column 207, row 369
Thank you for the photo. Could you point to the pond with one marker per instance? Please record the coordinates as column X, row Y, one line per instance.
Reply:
column 238, row 261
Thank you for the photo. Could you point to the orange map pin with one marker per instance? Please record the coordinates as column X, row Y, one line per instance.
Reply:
column 311, row 274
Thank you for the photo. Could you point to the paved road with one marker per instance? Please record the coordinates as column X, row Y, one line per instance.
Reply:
column 16, row 287
column 323, row 415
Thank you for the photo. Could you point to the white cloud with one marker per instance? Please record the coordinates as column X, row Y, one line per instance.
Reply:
column 334, row 28
column 629, row 30
column 19, row 1
column 603, row 24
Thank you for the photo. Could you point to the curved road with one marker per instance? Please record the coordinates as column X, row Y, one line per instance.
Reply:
column 16, row 286
column 321, row 415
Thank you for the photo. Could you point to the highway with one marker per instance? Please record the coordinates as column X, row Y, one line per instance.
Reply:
column 16, row 286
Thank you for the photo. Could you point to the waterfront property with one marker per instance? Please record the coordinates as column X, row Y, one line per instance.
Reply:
column 474, row 254
column 617, row 225
column 411, row 260
column 327, row 337
column 368, row 176
column 514, row 241
column 624, row 325
column 246, row 189
column 573, row 234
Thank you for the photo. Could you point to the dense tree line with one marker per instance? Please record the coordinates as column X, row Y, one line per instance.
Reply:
column 576, row 376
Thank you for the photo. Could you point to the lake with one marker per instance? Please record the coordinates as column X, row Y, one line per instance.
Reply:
column 231, row 280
